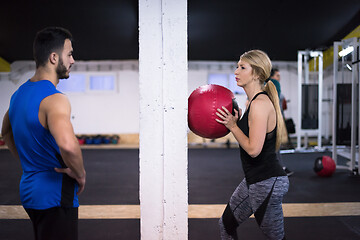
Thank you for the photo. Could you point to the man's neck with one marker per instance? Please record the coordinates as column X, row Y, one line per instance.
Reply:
column 44, row 74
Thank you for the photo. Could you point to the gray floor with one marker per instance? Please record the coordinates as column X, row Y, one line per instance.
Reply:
column 213, row 175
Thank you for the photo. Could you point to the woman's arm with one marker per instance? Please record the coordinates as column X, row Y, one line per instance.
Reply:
column 258, row 118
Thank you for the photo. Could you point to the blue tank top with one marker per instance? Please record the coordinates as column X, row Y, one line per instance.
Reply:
column 266, row 164
column 41, row 187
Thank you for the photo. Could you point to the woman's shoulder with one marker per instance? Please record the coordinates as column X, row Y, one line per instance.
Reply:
column 261, row 99
column 261, row 103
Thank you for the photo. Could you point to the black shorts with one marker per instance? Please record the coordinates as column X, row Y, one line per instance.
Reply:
column 54, row 223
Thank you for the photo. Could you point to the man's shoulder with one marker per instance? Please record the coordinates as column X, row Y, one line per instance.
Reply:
column 55, row 102
column 57, row 97
column 276, row 82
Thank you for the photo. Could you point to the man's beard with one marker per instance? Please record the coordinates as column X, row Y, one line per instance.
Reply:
column 61, row 70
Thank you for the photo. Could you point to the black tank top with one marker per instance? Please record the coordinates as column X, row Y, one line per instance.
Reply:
column 266, row 164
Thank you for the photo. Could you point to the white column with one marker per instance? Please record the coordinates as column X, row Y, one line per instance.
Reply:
column 163, row 119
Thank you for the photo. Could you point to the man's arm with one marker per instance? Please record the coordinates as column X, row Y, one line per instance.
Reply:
column 7, row 134
column 57, row 110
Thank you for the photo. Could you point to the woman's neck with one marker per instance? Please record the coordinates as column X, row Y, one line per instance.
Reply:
column 251, row 91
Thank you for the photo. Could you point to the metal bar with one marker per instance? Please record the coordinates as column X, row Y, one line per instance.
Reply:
column 320, row 97
column 356, row 69
column 306, row 65
column 300, row 55
column 353, row 111
column 334, row 115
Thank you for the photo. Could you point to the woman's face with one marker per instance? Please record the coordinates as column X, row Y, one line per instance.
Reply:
column 243, row 73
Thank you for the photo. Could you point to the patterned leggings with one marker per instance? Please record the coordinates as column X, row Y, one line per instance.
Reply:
column 264, row 200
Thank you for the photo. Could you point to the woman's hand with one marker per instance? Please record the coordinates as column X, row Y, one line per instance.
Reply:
column 227, row 118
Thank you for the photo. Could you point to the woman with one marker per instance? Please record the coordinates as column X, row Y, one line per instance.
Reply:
column 258, row 133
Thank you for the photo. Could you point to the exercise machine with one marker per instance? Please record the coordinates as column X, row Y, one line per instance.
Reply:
column 346, row 110
column 310, row 95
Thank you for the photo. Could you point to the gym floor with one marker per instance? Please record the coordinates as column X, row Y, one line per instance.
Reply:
column 314, row 208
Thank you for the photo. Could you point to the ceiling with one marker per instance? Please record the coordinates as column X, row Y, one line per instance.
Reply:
column 217, row 30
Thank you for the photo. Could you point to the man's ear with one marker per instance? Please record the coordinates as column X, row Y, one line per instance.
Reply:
column 53, row 58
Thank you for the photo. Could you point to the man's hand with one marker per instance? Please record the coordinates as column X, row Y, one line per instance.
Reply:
column 81, row 181
column 7, row 134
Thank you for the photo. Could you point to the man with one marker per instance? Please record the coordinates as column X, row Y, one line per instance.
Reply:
column 275, row 78
column 38, row 131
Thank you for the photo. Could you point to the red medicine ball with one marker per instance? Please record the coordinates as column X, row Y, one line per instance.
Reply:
column 324, row 166
column 202, row 107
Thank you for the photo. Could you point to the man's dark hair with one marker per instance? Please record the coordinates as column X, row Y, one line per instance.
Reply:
column 273, row 71
column 48, row 40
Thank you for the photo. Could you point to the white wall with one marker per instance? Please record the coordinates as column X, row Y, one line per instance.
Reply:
column 7, row 88
column 94, row 113
column 108, row 113
column 116, row 113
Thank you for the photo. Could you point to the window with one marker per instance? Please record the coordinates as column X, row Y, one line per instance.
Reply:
column 88, row 82
column 225, row 80
column 75, row 83
column 219, row 79
column 102, row 82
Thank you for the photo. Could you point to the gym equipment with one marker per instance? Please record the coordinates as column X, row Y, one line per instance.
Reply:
column 346, row 112
column 290, row 125
column 202, row 107
column 343, row 113
column 89, row 140
column 324, row 166
column 81, row 140
column 106, row 139
column 310, row 97
column 97, row 139
column 114, row 139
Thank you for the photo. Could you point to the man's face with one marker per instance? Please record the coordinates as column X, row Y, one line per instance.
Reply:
column 276, row 76
column 66, row 60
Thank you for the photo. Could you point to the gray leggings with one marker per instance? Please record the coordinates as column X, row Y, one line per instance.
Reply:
column 264, row 200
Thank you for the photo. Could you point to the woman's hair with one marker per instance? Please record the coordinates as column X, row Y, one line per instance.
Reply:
column 261, row 65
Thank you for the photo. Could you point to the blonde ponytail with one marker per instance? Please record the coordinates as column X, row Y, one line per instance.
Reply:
column 274, row 97
column 261, row 65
